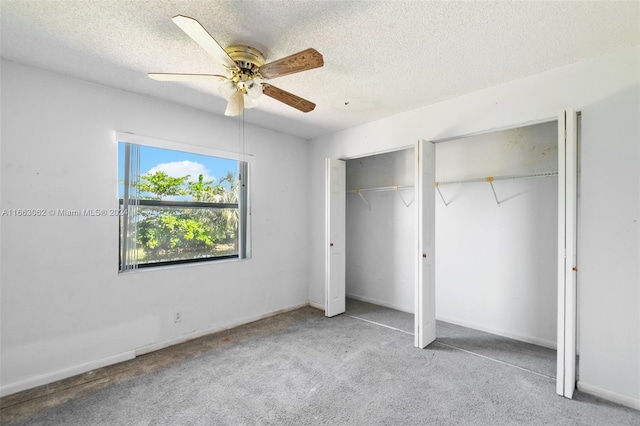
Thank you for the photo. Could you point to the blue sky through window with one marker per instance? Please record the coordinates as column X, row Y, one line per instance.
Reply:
column 177, row 164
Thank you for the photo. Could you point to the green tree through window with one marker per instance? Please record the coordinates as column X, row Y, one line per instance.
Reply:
column 175, row 218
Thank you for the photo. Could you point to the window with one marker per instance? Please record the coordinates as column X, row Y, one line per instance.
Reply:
column 180, row 207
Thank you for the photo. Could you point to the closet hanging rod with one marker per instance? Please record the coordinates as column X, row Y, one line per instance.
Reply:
column 494, row 178
column 381, row 188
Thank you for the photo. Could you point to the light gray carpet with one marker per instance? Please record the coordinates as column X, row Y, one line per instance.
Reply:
column 525, row 355
column 302, row 368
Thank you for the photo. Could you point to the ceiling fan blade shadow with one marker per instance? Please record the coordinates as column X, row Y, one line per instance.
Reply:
column 301, row 61
column 186, row 77
column 288, row 98
column 201, row 36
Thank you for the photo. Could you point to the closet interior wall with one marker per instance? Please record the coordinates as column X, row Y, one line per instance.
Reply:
column 380, row 224
column 496, row 242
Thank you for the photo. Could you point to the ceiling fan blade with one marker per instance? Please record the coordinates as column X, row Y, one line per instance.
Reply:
column 288, row 98
column 186, row 77
column 201, row 36
column 301, row 61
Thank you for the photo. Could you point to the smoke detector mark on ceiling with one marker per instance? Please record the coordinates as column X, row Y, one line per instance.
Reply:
column 351, row 105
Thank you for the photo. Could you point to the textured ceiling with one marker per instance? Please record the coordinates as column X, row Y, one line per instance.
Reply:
column 381, row 58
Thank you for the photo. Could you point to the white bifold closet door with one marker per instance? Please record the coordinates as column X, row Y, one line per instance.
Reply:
column 425, row 246
column 567, row 238
column 335, row 236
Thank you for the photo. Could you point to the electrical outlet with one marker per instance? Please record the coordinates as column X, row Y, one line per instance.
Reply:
column 177, row 316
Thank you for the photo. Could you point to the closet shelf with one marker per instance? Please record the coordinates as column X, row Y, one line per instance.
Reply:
column 491, row 179
column 382, row 189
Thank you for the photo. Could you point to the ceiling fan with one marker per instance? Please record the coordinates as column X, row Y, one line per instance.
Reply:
column 246, row 70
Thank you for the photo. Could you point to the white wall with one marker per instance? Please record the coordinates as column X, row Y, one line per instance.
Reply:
column 496, row 265
column 606, row 90
column 65, row 308
column 380, row 240
column 608, row 246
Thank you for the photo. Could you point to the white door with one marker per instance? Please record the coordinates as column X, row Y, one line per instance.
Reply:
column 425, row 302
column 335, row 229
column 567, row 268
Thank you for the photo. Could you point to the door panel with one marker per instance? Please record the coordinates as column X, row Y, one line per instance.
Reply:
column 567, row 237
column 335, row 230
column 425, row 302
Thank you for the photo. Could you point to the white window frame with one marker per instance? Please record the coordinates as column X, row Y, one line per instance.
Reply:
column 244, row 204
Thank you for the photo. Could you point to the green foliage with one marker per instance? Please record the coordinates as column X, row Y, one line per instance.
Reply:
column 166, row 233
column 162, row 185
column 199, row 189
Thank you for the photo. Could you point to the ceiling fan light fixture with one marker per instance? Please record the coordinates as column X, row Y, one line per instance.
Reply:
column 235, row 105
column 227, row 89
column 254, row 89
column 249, row 102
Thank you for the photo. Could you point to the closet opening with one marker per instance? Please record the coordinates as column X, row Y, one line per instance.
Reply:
column 380, row 241
column 497, row 230
column 497, row 245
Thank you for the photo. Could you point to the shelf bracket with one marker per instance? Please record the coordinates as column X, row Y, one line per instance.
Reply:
column 490, row 180
column 395, row 188
column 437, row 184
column 363, row 199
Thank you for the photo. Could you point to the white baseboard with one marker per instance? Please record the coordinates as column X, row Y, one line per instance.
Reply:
column 380, row 303
column 65, row 373
column 317, row 305
column 211, row 330
column 527, row 339
column 627, row 401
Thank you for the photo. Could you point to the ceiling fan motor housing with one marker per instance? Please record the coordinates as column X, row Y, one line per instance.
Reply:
column 247, row 58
